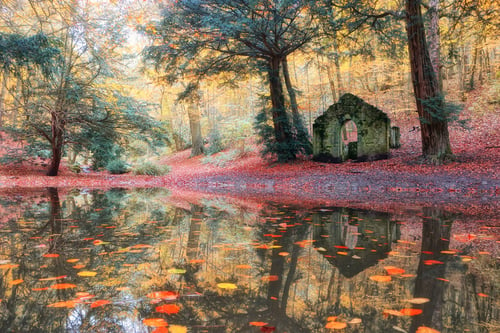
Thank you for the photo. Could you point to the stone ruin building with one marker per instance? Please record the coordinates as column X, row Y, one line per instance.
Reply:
column 353, row 129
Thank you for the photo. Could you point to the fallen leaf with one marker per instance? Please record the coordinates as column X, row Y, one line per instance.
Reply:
column 226, row 285
column 355, row 321
column 411, row 312
column 257, row 323
column 335, row 325
column 424, row 329
column 392, row 270
column 166, row 295
column 155, row 322
column 176, row 271
column 62, row 286
column 168, row 308
column 87, row 273
column 16, row 282
column 63, row 304
column 418, row 300
column 381, row 278
column 99, row 303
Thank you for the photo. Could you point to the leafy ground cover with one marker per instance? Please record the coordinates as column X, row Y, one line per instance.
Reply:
column 472, row 179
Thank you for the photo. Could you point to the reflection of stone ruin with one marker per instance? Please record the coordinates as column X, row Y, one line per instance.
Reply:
column 353, row 239
column 353, row 129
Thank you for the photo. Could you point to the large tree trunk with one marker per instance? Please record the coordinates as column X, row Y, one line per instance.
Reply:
column 301, row 133
column 195, row 126
column 435, row 40
column 430, row 103
column 56, row 144
column 280, row 118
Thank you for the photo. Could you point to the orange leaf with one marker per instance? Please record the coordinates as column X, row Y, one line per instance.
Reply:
column 411, row 312
column 388, row 312
column 98, row 303
column 168, row 308
column 380, row 278
column 15, row 282
column 51, row 255
column 424, row 329
column 167, row 295
column 257, row 323
column 155, row 322
column 64, row 304
column 62, row 286
column 335, row 325
column 391, row 270
column 243, row 266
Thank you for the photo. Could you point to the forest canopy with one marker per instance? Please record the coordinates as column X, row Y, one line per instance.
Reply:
column 94, row 81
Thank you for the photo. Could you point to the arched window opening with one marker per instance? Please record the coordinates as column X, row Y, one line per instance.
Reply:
column 349, row 134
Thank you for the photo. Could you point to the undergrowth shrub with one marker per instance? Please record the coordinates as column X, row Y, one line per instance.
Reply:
column 117, row 167
column 151, row 169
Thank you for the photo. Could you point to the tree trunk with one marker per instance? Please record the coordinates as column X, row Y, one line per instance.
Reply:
column 56, row 144
column 302, row 136
column 195, row 126
column 434, row 39
column 3, row 90
column 430, row 103
column 281, row 122
column 336, row 61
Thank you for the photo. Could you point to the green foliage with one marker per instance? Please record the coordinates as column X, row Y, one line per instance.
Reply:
column 18, row 52
column 221, row 159
column 283, row 151
column 214, row 142
column 117, row 167
column 151, row 169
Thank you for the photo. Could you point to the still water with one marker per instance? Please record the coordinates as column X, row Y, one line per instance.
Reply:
column 133, row 261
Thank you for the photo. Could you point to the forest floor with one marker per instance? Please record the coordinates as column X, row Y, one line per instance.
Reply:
column 472, row 180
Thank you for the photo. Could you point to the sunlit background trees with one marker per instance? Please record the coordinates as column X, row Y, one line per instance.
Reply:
column 99, row 82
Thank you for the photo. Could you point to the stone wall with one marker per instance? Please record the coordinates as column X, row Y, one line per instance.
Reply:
column 373, row 128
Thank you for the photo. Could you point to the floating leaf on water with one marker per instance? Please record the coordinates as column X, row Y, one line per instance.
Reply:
column 63, row 286
column 51, row 255
column 175, row 329
column 72, row 260
column 381, row 278
column 155, row 322
column 226, row 285
column 168, row 308
column 482, row 295
column 16, row 282
column 87, row 273
column 257, row 323
column 166, row 295
column 78, row 266
column 63, row 304
column 283, row 254
column 176, row 271
column 424, row 329
column 243, row 266
column 8, row 266
column 418, row 300
column 354, row 321
column 53, row 278
column 411, row 312
column 335, row 325
column 392, row 270
column 99, row 303
column 197, row 261
column 270, row 278
column 389, row 312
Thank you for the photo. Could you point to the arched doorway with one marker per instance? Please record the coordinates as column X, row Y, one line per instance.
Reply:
column 349, row 136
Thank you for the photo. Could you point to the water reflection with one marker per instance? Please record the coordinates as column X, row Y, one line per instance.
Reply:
column 128, row 261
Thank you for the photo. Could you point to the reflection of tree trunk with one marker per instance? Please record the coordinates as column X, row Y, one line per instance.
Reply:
column 436, row 231
column 55, row 219
column 193, row 242
column 290, row 277
column 273, row 291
